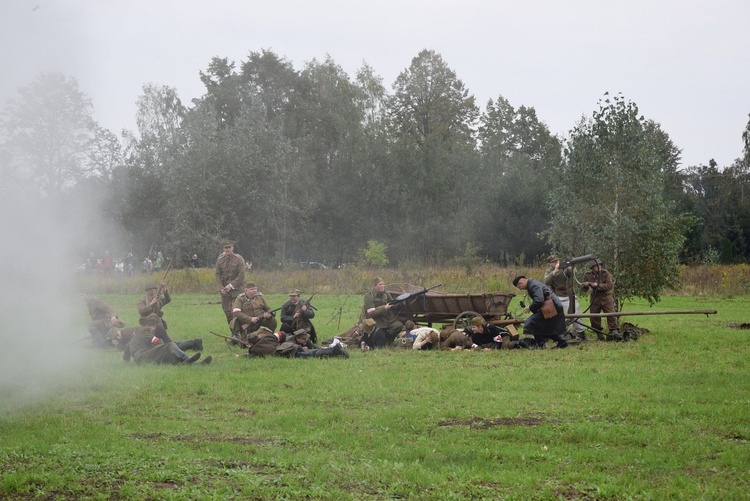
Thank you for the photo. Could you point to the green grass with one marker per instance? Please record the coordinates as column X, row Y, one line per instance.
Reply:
column 666, row 416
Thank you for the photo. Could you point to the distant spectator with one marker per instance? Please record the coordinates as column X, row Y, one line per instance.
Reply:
column 130, row 264
column 107, row 262
column 195, row 262
column 159, row 263
column 91, row 263
column 147, row 266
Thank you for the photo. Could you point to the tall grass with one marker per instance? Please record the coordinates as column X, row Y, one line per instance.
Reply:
column 711, row 280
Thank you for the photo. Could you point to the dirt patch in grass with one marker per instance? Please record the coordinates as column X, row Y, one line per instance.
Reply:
column 482, row 423
column 213, row 438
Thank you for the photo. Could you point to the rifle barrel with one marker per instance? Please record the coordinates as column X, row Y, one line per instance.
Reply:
column 635, row 313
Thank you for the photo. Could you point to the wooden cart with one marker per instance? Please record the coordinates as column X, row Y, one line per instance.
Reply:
column 458, row 309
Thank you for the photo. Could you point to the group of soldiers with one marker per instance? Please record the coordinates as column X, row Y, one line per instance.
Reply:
column 150, row 341
column 550, row 300
column 253, row 323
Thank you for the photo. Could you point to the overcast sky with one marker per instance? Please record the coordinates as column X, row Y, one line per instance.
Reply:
column 685, row 63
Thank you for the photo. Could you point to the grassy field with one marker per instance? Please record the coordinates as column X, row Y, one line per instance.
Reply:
column 667, row 416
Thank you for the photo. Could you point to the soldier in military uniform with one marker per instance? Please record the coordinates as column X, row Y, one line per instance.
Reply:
column 551, row 327
column 454, row 339
column 230, row 275
column 263, row 342
column 154, row 301
column 121, row 337
column 600, row 283
column 250, row 311
column 103, row 318
column 376, row 307
column 144, row 346
column 561, row 282
column 296, row 314
column 299, row 345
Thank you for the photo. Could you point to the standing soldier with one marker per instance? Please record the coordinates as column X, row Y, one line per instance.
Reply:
column 250, row 311
column 376, row 307
column 561, row 283
column 155, row 300
column 600, row 282
column 230, row 275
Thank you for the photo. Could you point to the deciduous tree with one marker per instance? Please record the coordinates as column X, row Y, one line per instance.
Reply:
column 611, row 200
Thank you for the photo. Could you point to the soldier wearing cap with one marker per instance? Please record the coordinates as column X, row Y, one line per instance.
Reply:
column 263, row 342
column 377, row 307
column 484, row 335
column 371, row 335
column 561, row 283
column 296, row 314
column 250, row 311
column 230, row 275
column 103, row 318
column 121, row 337
column 551, row 326
column 600, row 283
column 298, row 345
column 145, row 346
column 154, row 301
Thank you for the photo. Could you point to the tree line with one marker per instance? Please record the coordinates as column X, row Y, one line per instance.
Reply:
column 313, row 164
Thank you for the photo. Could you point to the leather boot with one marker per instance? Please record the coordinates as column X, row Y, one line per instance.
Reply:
column 206, row 360
column 183, row 357
column 198, row 344
column 188, row 345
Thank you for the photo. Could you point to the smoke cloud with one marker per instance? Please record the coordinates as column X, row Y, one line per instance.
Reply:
column 42, row 318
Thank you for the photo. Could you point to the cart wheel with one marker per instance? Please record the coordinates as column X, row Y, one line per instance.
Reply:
column 463, row 321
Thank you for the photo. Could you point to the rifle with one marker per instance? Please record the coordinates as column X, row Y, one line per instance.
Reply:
column 408, row 295
column 235, row 339
column 303, row 303
column 274, row 310
column 401, row 299
column 169, row 268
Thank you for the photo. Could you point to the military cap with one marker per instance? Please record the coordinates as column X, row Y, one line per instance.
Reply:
column 517, row 279
column 552, row 258
column 301, row 333
column 151, row 321
column 376, row 281
column 263, row 330
column 149, row 285
column 250, row 285
column 368, row 325
column 118, row 323
column 228, row 243
column 595, row 262
column 295, row 292
column 477, row 321
column 409, row 325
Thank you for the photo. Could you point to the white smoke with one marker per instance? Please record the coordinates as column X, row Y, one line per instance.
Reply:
column 42, row 319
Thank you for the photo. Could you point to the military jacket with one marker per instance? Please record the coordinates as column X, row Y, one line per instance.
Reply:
column 99, row 310
column 603, row 278
column 230, row 270
column 142, row 349
column 147, row 310
column 375, row 299
column 559, row 282
column 250, row 307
